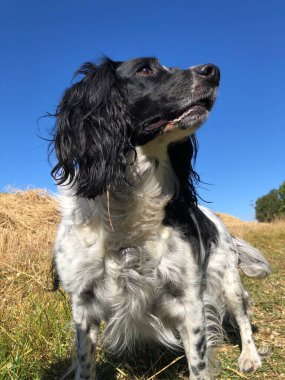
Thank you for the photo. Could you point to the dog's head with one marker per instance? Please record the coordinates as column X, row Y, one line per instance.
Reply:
column 120, row 105
column 162, row 100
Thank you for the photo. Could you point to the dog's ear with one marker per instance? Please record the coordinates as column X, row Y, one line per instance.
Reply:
column 182, row 156
column 91, row 137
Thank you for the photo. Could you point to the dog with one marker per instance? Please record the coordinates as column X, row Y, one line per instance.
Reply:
column 134, row 249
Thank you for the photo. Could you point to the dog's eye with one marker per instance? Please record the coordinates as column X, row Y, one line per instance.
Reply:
column 145, row 71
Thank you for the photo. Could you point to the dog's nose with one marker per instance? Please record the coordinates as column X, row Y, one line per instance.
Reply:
column 210, row 72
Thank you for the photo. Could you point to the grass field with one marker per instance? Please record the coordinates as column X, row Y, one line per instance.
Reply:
column 36, row 336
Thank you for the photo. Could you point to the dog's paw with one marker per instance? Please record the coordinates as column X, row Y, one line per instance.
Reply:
column 249, row 361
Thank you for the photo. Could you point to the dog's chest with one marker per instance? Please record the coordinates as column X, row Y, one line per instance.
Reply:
column 138, row 276
column 131, row 268
column 140, row 288
column 135, row 276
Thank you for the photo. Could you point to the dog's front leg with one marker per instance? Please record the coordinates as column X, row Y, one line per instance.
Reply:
column 86, row 340
column 193, row 335
column 237, row 302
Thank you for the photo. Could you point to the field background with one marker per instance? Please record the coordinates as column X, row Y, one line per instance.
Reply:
column 36, row 336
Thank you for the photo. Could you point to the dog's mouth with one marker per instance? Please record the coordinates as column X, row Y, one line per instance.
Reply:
column 198, row 109
column 202, row 105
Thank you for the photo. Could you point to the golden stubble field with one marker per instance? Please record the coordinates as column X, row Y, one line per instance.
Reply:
column 36, row 336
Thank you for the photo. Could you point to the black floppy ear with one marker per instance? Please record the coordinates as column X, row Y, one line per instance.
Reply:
column 91, row 137
column 182, row 157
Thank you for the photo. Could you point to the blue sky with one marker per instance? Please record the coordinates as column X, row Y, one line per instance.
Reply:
column 242, row 145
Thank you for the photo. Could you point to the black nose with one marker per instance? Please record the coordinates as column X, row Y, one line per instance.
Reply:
column 210, row 72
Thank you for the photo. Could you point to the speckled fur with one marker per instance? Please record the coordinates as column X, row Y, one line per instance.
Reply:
column 142, row 279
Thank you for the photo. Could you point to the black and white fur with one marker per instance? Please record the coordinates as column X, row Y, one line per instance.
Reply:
column 134, row 249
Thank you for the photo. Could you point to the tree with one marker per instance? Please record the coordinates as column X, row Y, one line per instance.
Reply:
column 281, row 192
column 269, row 206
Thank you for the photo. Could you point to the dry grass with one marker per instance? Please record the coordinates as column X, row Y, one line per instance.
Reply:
column 35, row 333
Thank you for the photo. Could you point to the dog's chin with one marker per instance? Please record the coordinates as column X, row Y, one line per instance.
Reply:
column 190, row 119
column 176, row 130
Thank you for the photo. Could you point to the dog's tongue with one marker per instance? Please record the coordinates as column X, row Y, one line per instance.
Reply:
column 157, row 125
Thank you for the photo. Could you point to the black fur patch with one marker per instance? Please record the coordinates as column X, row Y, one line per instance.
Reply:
column 201, row 366
column 195, row 370
column 196, row 331
column 201, row 346
column 182, row 211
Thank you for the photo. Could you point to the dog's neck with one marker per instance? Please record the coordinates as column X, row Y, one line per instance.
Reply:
column 155, row 173
column 142, row 202
column 149, row 178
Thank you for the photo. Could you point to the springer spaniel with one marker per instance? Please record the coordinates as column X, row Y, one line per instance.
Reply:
column 134, row 249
